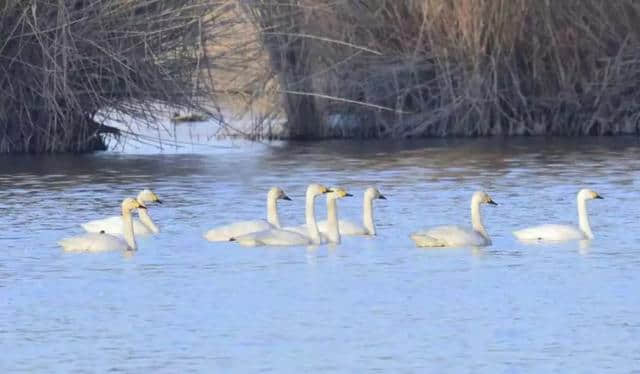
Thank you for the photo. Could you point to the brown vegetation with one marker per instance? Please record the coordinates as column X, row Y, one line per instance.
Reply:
column 389, row 68
column 336, row 68
column 61, row 61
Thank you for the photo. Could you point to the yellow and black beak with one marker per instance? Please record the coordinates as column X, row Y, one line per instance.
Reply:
column 348, row 195
column 491, row 202
column 382, row 197
column 158, row 201
column 599, row 197
column 285, row 197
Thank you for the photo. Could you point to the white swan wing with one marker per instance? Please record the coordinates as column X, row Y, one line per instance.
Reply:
column 302, row 229
column 234, row 230
column 113, row 226
column 273, row 237
column 549, row 232
column 449, row 236
column 346, row 227
column 92, row 242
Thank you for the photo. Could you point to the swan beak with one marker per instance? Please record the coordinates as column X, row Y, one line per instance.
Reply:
column 382, row 197
column 158, row 201
column 285, row 197
column 492, row 202
column 599, row 197
column 347, row 194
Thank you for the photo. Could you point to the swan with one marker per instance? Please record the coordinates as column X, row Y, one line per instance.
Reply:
column 368, row 226
column 457, row 236
column 142, row 226
column 97, row 242
column 224, row 233
column 332, row 231
column 550, row 232
column 287, row 236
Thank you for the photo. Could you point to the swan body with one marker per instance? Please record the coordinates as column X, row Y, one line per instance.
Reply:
column 558, row 233
column 458, row 236
column 99, row 242
column 367, row 227
column 233, row 230
column 287, row 237
column 273, row 237
column 113, row 225
column 332, row 229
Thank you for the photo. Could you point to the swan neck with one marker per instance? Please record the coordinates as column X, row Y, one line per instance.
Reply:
column 583, row 218
column 333, row 230
column 476, row 219
column 310, row 217
column 146, row 220
column 367, row 216
column 272, row 211
column 127, row 230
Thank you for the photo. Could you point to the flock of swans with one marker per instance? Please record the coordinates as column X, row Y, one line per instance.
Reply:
column 119, row 232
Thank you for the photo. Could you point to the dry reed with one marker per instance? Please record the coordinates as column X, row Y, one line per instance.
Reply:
column 62, row 61
column 389, row 68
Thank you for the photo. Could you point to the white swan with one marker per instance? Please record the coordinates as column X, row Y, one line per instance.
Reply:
column 332, row 231
column 224, row 233
column 368, row 226
column 551, row 232
column 97, row 242
column 142, row 226
column 457, row 236
column 285, row 237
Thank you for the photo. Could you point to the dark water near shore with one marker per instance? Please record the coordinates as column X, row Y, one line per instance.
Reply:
column 182, row 304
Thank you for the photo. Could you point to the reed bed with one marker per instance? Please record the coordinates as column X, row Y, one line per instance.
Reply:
column 62, row 61
column 414, row 68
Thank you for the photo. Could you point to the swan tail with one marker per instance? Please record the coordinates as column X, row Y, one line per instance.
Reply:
column 427, row 241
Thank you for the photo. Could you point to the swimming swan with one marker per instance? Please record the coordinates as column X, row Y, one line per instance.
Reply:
column 457, row 236
column 332, row 230
column 368, row 226
column 563, row 232
column 97, row 242
column 285, row 237
column 142, row 226
column 224, row 233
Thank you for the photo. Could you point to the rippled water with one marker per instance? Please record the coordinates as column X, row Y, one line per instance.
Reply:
column 181, row 304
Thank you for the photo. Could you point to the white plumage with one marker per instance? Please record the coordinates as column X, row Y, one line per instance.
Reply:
column 367, row 227
column 233, row 230
column 458, row 236
column 113, row 225
column 290, row 236
column 98, row 242
column 558, row 233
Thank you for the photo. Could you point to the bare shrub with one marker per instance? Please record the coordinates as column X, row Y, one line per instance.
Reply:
column 61, row 61
column 389, row 68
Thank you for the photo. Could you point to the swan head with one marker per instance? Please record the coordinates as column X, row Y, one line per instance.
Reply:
column 372, row 193
column 338, row 193
column 130, row 204
column 316, row 189
column 148, row 196
column 276, row 193
column 587, row 194
column 481, row 197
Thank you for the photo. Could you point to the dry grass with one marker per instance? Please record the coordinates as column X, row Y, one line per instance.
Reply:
column 388, row 68
column 61, row 61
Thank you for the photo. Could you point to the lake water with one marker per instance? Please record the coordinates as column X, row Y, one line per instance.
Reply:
column 182, row 304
